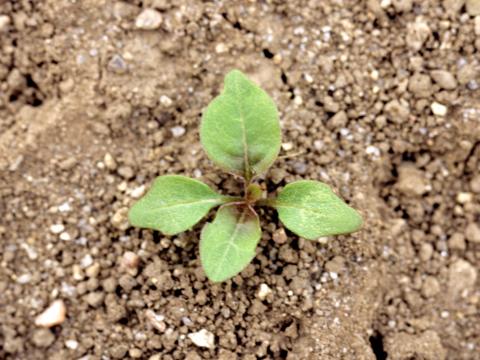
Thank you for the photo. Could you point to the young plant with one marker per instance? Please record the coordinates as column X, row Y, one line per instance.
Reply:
column 240, row 132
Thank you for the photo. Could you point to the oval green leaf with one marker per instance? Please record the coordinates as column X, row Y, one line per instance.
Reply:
column 312, row 210
column 227, row 245
column 174, row 204
column 240, row 130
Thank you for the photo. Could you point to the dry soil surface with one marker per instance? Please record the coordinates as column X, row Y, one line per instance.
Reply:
column 379, row 99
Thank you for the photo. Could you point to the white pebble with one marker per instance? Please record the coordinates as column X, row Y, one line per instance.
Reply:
column 322, row 240
column 4, row 22
column 149, row 19
column 31, row 252
column 65, row 236
column 65, row 207
column 264, row 291
column 86, row 261
column 165, row 101
column 177, row 131
column 71, row 344
column 220, row 48
column 57, row 228
column 318, row 144
column 156, row 320
column 333, row 275
column 439, row 109
column 130, row 260
column 53, row 315
column 24, row 279
column 287, row 146
column 203, row 338
column 372, row 150
column 464, row 197
column 138, row 192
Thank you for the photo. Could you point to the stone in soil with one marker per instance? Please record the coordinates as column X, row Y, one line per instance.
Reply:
column 148, row 19
column 461, row 278
column 472, row 232
column 53, row 315
column 203, row 338
column 43, row 338
column 411, row 181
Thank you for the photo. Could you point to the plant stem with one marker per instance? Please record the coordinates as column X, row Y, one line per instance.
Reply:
column 232, row 199
column 266, row 202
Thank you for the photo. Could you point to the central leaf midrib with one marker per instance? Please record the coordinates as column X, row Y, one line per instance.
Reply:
column 190, row 202
column 231, row 243
column 244, row 131
column 314, row 210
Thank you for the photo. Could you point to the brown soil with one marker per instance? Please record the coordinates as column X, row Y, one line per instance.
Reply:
column 91, row 108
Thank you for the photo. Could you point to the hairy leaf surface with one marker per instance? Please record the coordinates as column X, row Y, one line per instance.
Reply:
column 240, row 130
column 228, row 244
column 311, row 209
column 174, row 204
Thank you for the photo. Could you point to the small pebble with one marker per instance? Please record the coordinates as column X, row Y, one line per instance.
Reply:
column 203, row 338
column 24, row 279
column 93, row 270
column 417, row 33
column 148, row 19
column 130, row 260
column 430, row 287
column 439, row 109
column 263, row 291
column 477, row 25
column 445, row 79
column 65, row 236
column 135, row 353
column 4, row 22
column 138, row 192
column 94, row 299
column 86, row 261
column 57, row 228
column 300, row 167
column 411, row 181
column 472, row 233
column 156, row 320
column 177, row 131
column 166, row 101
column 64, row 207
column 68, row 164
column 126, row 172
column 117, row 64
column 119, row 219
column 110, row 162
column 464, row 197
column 457, row 241
column 53, row 315
column 475, row 184
column 71, row 344
column 43, row 338
column 462, row 277
column 426, row 252
column 473, row 7
column 280, row 236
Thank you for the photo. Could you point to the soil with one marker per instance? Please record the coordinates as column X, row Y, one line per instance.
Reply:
column 379, row 99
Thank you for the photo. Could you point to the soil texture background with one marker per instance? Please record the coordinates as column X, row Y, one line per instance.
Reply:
column 379, row 99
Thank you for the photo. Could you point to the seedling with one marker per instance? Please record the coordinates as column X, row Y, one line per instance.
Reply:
column 240, row 132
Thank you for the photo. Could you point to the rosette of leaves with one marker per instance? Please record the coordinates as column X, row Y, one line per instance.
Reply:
column 240, row 132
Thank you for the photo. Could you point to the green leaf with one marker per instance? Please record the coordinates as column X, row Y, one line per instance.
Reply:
column 227, row 245
column 174, row 204
column 240, row 130
column 311, row 209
